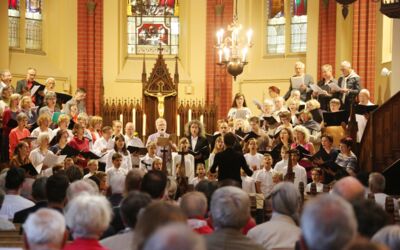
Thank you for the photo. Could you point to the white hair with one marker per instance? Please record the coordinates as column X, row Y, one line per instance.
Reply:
column 117, row 183
column 300, row 64
column 346, row 64
column 268, row 102
column 88, row 216
column 365, row 92
column 160, row 119
column 45, row 226
column 286, row 200
column 389, row 236
column 50, row 79
column 78, row 187
column 304, row 130
column 328, row 223
column 175, row 236
column 42, row 136
column 194, row 204
column 230, row 208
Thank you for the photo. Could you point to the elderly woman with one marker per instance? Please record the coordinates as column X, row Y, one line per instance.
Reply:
column 50, row 101
column 363, row 97
column 198, row 144
column 43, row 122
column 305, row 90
column 26, row 107
column 239, row 108
column 21, row 155
column 284, row 221
column 38, row 154
column 87, row 217
column 50, row 85
column 19, row 133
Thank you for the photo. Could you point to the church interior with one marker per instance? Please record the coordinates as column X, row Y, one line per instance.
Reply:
column 169, row 87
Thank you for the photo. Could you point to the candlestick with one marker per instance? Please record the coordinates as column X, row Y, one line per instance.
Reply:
column 134, row 117
column 178, row 125
column 189, row 115
column 144, row 125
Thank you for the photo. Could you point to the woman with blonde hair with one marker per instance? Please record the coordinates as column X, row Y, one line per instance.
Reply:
column 43, row 123
column 95, row 125
column 302, row 139
column 218, row 147
column 25, row 104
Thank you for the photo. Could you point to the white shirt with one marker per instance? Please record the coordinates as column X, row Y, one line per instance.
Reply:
column 265, row 178
column 248, row 184
column 126, row 160
column 101, row 144
column 361, row 123
column 320, row 187
column 36, row 156
column 37, row 131
column 115, row 171
column 280, row 166
column 254, row 160
column 300, row 175
column 196, row 180
column 243, row 113
column 211, row 160
column 194, row 142
column 146, row 162
column 279, row 232
column 189, row 165
column 14, row 203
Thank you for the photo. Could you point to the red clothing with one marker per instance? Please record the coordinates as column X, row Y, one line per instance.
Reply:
column 81, row 145
column 16, row 136
column 200, row 226
column 8, row 115
column 84, row 244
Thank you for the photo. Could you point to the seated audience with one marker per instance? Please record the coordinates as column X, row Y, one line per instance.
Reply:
column 377, row 184
column 175, row 236
column 370, row 217
column 230, row 211
column 129, row 210
column 13, row 201
column 45, row 229
column 154, row 183
column 327, row 223
column 194, row 206
column 5, row 224
column 82, row 216
column 56, row 191
column 78, row 187
column 282, row 231
column 389, row 236
column 349, row 188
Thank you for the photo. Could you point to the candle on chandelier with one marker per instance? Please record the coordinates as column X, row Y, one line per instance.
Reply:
column 220, row 55
column 226, row 53
column 244, row 53
column 178, row 125
column 249, row 36
column 144, row 125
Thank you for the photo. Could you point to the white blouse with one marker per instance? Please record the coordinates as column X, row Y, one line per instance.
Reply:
column 36, row 156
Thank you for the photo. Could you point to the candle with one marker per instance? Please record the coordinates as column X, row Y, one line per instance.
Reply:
column 189, row 115
column 249, row 35
column 134, row 117
column 178, row 125
column 220, row 55
column 121, row 119
column 244, row 53
column 226, row 53
column 202, row 119
column 144, row 125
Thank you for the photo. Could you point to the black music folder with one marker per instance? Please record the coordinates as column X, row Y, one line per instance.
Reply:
column 335, row 118
column 364, row 109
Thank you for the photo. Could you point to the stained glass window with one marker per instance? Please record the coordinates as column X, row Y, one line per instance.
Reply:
column 33, row 24
column 276, row 27
column 299, row 25
column 13, row 23
column 151, row 23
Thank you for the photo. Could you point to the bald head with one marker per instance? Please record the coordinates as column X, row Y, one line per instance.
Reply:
column 349, row 188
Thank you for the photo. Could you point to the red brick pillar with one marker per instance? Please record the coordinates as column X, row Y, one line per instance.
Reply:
column 364, row 41
column 90, row 52
column 218, row 82
column 327, row 35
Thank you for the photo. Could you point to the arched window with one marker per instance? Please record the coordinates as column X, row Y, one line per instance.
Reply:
column 151, row 22
column 280, row 32
column 28, row 12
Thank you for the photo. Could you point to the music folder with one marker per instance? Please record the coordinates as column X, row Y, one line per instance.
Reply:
column 63, row 98
column 138, row 150
column 335, row 118
column 364, row 109
column 30, row 169
column 271, row 121
column 12, row 123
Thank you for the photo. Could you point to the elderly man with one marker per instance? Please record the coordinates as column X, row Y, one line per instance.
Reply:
column 349, row 188
column 45, row 229
column 327, row 79
column 377, row 184
column 349, row 83
column 281, row 231
column 230, row 211
column 5, row 80
column 327, row 223
column 129, row 210
column 87, row 217
column 194, row 206
column 305, row 90
column 175, row 236
column 364, row 98
column 389, row 236
column 28, row 83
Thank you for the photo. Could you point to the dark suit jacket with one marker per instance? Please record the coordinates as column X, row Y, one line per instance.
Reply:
column 304, row 95
column 229, row 163
column 21, row 216
column 353, row 84
column 201, row 148
column 21, row 85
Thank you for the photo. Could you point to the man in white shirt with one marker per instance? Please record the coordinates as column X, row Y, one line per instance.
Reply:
column 13, row 201
column 264, row 183
column 104, row 144
column 377, row 184
column 300, row 174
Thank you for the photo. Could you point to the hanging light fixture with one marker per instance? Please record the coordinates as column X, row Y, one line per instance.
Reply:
column 232, row 50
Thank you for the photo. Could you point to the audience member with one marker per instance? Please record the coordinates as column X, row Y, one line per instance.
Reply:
column 388, row 235
column 377, row 184
column 194, row 205
column 154, row 183
column 349, row 188
column 78, row 187
column 370, row 217
column 5, row 224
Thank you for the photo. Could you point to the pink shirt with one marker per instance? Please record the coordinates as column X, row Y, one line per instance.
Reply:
column 16, row 135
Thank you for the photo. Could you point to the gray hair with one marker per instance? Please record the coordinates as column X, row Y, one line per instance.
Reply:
column 328, row 223
column 42, row 136
column 230, row 207
column 78, row 187
column 389, row 235
column 117, row 183
column 21, row 116
column 39, row 189
column 2, row 195
column 44, row 227
column 175, row 237
column 376, row 182
column 300, row 64
column 194, row 204
column 349, row 188
column 346, row 64
column 50, row 79
column 50, row 95
column 88, row 216
column 286, row 200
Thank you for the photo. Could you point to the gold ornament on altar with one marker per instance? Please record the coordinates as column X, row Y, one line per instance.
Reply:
column 160, row 95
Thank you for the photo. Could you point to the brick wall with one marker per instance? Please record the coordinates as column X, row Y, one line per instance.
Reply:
column 90, row 53
column 327, row 36
column 218, row 82
column 364, row 42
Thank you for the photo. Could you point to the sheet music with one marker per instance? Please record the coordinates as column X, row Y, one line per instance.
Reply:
column 334, row 87
column 258, row 104
column 297, row 81
column 34, row 89
column 50, row 160
column 317, row 89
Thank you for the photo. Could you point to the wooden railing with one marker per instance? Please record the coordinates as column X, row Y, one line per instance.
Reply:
column 380, row 145
column 131, row 109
